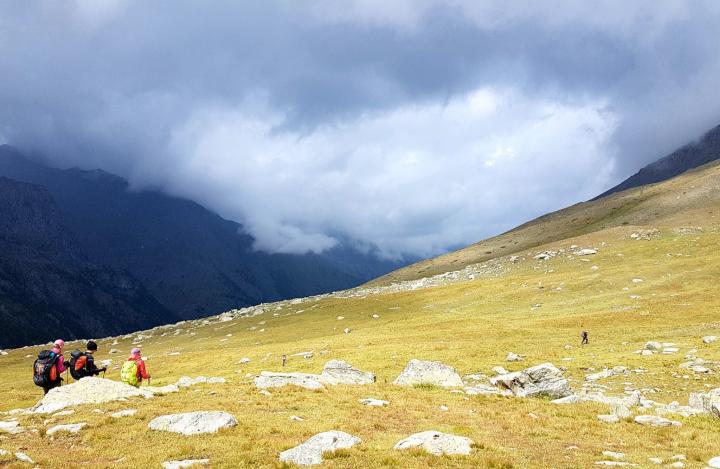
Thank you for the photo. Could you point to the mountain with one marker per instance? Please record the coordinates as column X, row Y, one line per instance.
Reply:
column 690, row 156
column 48, row 289
column 194, row 262
column 649, row 303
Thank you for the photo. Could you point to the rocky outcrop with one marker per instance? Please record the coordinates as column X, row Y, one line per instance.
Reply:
column 335, row 372
column 311, row 451
column 87, row 391
column 655, row 421
column 428, row 372
column 193, row 423
column 437, row 443
column 269, row 379
column 540, row 380
column 706, row 401
column 341, row 372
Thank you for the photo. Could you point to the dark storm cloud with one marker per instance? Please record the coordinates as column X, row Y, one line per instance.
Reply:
column 413, row 126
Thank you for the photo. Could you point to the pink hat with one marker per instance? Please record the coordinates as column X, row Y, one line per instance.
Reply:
column 59, row 343
column 135, row 351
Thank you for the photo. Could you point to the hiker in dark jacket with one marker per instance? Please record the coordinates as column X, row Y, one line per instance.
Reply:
column 83, row 363
column 584, row 337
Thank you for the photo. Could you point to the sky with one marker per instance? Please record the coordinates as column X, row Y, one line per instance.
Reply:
column 407, row 127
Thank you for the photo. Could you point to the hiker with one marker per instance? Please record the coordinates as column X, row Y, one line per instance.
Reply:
column 48, row 368
column 82, row 364
column 133, row 370
column 584, row 336
column 284, row 359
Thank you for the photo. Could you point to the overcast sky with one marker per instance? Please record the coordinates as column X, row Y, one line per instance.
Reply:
column 413, row 126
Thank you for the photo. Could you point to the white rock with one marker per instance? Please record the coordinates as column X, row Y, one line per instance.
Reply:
column 437, row 443
column 185, row 463
column 269, row 379
column 346, row 330
column 3, row 452
column 654, row 346
column 70, row 428
column 295, row 418
column 615, row 463
column 193, row 423
column 500, row 370
column 607, row 373
column 340, row 318
column 655, row 460
column 608, row 418
column 88, row 390
column 540, row 380
column 123, row 413
column 375, row 316
column 11, row 426
column 485, row 390
column 709, row 339
column 373, row 402
column 244, row 360
column 655, row 421
column 24, row 457
column 513, row 357
column 428, row 372
column 311, row 451
column 341, row 372
column 613, row 455
column 586, row 252
column 714, row 462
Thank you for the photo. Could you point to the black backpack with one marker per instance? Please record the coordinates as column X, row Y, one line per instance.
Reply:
column 78, row 372
column 45, row 371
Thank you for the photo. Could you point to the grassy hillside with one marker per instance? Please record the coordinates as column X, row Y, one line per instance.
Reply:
column 532, row 307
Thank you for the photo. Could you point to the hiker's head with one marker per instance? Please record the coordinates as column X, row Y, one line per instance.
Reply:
column 135, row 352
column 91, row 346
column 59, row 343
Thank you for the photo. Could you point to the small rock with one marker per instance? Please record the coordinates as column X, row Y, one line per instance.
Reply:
column 655, row 460
column 586, row 252
column 11, row 427
column 70, row 428
column 193, row 423
column 374, row 402
column 436, row 443
column 500, row 370
column 24, row 458
column 123, row 413
column 513, row 357
column 295, row 418
column 311, row 451
column 185, row 463
column 714, row 462
column 444, row 408
column 655, row 421
column 244, row 360
column 346, row 330
column 613, row 455
column 375, row 316
column 709, row 339
column 608, row 418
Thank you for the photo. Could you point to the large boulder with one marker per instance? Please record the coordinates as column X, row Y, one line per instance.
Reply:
column 311, row 451
column 428, row 372
column 87, row 391
column 341, row 372
column 269, row 379
column 437, row 443
column 193, row 423
column 540, row 380
column 706, row 401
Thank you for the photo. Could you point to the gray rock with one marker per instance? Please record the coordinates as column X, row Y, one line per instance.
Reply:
column 193, row 423
column 540, row 380
column 269, row 379
column 653, row 346
column 311, row 451
column 608, row 418
column 428, row 372
column 706, row 401
column 714, row 463
column 514, row 357
column 24, row 458
column 123, row 413
column 655, row 421
column 11, row 426
column 341, row 372
column 88, row 390
column 607, row 373
column 185, row 463
column 586, row 252
column 485, row 390
column 69, row 428
column 437, row 443
column 709, row 339
column 500, row 370
column 374, row 402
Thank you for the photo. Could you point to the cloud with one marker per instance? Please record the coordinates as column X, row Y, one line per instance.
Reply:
column 412, row 126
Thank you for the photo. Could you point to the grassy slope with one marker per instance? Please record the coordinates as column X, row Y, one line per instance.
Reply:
column 470, row 325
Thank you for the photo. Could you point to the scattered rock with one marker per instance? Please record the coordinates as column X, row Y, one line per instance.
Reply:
column 706, row 402
column 608, row 418
column 306, row 355
column 295, row 418
column 437, row 443
column 613, row 455
column 123, row 413
column 311, row 451
column 714, row 463
column 513, row 357
column 586, row 252
column 193, row 423
column 540, row 380
column 376, row 316
column 269, row 379
column 709, row 339
column 485, row 390
column 114, row 351
column 24, row 458
column 374, row 402
column 341, row 372
column 185, row 463
column 346, row 330
column 70, row 428
column 88, row 390
column 655, row 421
column 606, row 373
column 244, row 360
column 428, row 372
column 11, row 426
column 500, row 370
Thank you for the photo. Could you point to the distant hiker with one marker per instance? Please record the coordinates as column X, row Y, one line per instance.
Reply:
column 82, row 364
column 284, row 359
column 584, row 336
column 48, row 367
column 133, row 370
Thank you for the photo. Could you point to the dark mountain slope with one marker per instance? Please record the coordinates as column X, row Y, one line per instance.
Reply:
column 48, row 290
column 690, row 156
column 192, row 260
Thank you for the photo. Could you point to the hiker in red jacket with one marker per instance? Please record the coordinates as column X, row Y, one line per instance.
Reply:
column 141, row 373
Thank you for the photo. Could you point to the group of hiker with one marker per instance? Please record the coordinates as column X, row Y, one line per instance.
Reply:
column 51, row 364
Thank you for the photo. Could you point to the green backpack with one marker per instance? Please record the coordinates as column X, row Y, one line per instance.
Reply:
column 128, row 373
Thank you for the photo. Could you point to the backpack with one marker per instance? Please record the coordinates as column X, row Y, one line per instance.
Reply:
column 128, row 373
column 45, row 371
column 78, row 360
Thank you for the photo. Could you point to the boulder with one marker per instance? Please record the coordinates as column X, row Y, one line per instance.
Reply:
column 586, row 252
column 69, row 428
column 706, row 401
column 185, row 463
column 437, row 443
column 714, row 462
column 709, row 339
column 11, row 426
column 193, row 423
column 311, row 451
column 655, row 421
column 606, row 373
column 123, row 413
column 485, row 390
column 428, row 372
column 540, row 380
column 341, row 372
column 514, row 357
column 87, row 391
column 24, row 458
column 269, row 379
